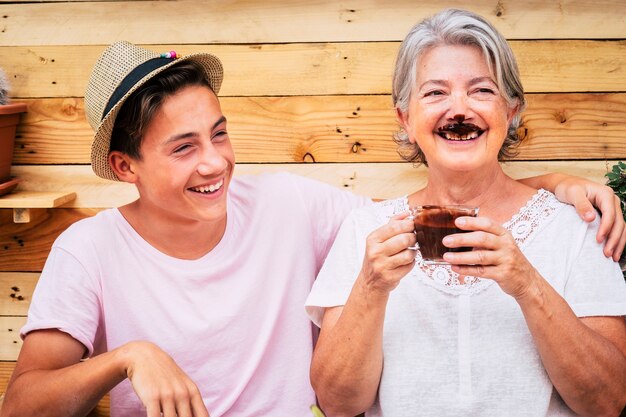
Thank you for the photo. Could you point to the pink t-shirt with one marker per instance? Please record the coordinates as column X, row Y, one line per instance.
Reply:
column 233, row 320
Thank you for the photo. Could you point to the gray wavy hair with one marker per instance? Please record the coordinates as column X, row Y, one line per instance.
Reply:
column 456, row 27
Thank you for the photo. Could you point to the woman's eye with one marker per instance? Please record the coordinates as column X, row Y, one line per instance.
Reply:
column 434, row 93
column 486, row 90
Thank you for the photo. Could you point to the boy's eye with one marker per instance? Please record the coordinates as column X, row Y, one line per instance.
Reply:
column 219, row 136
column 181, row 148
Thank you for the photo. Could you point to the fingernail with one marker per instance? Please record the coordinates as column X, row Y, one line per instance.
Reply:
column 447, row 240
column 589, row 215
column 461, row 221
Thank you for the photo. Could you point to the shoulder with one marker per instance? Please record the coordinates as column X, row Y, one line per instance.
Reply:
column 90, row 229
column 269, row 183
column 379, row 212
column 292, row 189
column 555, row 221
column 279, row 181
column 561, row 214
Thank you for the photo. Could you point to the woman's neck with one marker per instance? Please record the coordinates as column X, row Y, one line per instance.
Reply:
column 496, row 194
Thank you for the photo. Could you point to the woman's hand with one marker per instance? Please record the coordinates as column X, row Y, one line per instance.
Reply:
column 495, row 255
column 163, row 388
column 584, row 195
column 388, row 257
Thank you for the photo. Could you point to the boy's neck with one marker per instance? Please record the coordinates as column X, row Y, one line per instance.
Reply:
column 189, row 241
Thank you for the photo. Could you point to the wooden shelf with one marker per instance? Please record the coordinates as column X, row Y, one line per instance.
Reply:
column 28, row 204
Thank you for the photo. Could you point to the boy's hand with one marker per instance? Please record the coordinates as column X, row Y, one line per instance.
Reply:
column 163, row 388
column 584, row 195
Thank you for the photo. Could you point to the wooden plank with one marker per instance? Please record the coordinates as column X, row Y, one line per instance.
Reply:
column 35, row 199
column 10, row 341
column 380, row 180
column 322, row 68
column 24, row 246
column 6, row 370
column 91, row 191
column 275, row 21
column 339, row 129
column 16, row 291
column 590, row 126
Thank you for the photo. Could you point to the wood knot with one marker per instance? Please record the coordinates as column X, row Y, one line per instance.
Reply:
column 499, row 10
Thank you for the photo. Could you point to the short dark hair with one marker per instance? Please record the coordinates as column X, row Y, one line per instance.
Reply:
column 139, row 109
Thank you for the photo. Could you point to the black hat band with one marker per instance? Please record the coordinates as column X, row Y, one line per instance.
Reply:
column 132, row 79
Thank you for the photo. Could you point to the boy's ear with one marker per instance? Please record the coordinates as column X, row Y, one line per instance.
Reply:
column 122, row 165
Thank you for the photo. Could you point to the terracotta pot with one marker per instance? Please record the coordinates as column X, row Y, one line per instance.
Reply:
column 9, row 118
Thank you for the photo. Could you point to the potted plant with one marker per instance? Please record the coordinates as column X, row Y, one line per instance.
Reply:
column 9, row 118
column 617, row 182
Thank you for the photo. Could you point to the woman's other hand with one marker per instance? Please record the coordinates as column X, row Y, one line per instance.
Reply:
column 388, row 254
column 495, row 255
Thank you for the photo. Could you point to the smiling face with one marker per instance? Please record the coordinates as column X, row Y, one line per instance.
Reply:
column 187, row 160
column 456, row 114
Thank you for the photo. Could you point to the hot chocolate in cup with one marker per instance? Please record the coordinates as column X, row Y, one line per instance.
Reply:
column 432, row 224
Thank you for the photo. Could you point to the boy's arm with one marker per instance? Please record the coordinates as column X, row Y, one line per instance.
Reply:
column 584, row 194
column 50, row 379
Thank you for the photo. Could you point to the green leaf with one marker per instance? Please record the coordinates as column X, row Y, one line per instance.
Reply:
column 316, row 411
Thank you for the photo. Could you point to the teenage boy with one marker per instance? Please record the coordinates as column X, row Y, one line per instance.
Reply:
column 190, row 298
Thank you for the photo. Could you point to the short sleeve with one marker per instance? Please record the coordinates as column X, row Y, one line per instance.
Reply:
column 66, row 299
column 595, row 285
column 339, row 272
column 326, row 206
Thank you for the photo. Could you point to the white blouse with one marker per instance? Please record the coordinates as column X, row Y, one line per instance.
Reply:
column 453, row 349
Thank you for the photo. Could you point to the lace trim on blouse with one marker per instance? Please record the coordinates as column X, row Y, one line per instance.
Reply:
column 523, row 226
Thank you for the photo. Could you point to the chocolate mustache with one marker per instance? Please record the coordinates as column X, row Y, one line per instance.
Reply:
column 460, row 128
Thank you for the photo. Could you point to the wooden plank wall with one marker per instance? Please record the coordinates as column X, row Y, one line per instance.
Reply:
column 306, row 89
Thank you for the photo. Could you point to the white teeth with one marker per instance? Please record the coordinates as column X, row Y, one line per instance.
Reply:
column 453, row 136
column 208, row 188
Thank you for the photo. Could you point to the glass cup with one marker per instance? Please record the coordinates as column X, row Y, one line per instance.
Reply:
column 432, row 224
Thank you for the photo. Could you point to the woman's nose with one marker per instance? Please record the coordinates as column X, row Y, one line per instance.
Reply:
column 458, row 108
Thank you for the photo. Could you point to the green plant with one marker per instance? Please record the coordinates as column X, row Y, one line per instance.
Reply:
column 316, row 411
column 617, row 182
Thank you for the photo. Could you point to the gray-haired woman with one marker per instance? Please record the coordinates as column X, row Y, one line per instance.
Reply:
column 529, row 323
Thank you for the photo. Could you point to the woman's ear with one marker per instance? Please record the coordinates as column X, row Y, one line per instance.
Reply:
column 122, row 165
column 513, row 111
column 402, row 118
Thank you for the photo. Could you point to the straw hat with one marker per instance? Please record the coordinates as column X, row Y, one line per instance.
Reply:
column 121, row 69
